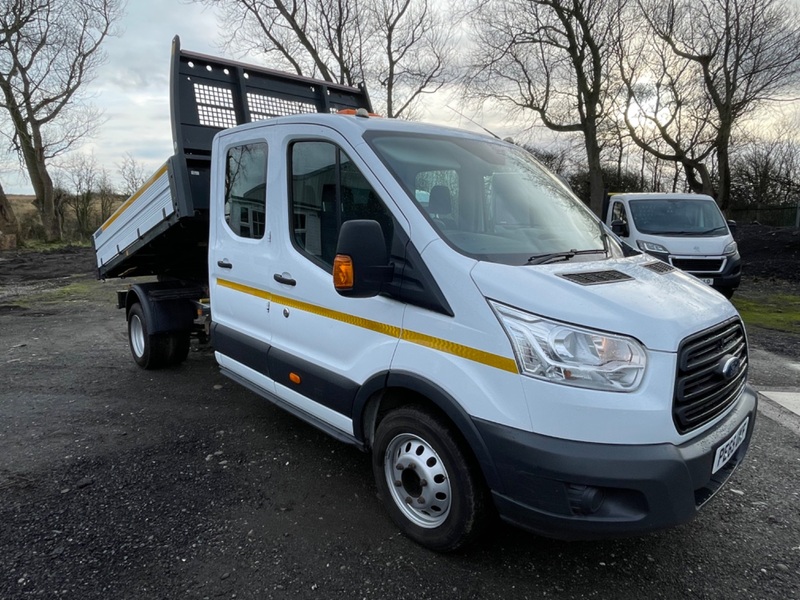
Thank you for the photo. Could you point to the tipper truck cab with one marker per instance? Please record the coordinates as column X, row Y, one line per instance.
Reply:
column 437, row 298
column 687, row 231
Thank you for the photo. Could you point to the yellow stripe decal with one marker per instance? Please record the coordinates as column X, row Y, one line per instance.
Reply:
column 493, row 360
column 487, row 358
column 133, row 198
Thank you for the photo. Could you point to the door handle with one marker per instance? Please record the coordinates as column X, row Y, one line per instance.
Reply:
column 224, row 264
column 284, row 278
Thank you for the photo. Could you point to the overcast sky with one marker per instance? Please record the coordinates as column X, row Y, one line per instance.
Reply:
column 132, row 87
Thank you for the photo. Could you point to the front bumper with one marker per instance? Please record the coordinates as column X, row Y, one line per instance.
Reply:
column 578, row 490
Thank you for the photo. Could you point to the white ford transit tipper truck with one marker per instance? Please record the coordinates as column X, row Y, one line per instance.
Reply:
column 687, row 231
column 492, row 346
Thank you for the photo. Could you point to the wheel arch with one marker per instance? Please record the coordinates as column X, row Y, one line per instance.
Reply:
column 396, row 388
column 162, row 315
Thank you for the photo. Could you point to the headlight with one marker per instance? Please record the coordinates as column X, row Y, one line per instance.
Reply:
column 571, row 355
column 651, row 247
column 730, row 248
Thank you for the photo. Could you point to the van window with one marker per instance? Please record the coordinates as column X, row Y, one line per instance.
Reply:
column 327, row 190
column 491, row 200
column 680, row 217
column 619, row 214
column 245, row 190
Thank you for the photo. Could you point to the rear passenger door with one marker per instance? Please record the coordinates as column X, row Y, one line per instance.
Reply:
column 240, row 250
column 325, row 346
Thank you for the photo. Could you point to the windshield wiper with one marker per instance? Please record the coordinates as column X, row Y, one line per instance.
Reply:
column 540, row 259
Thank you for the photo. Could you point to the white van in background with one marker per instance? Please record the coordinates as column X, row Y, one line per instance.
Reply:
column 687, row 231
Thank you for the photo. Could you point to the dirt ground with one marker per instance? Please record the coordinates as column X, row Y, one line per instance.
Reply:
column 770, row 253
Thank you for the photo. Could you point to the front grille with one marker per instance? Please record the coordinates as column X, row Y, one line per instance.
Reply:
column 699, row 265
column 596, row 277
column 702, row 391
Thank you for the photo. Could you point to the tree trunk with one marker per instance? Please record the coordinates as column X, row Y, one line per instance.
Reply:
column 9, row 227
column 703, row 185
column 724, row 167
column 597, row 189
column 45, row 201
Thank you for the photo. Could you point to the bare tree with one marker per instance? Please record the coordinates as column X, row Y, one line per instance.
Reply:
column 316, row 38
column 106, row 196
column 551, row 57
column 766, row 173
column 133, row 174
column 417, row 49
column 728, row 57
column 664, row 110
column 82, row 172
column 48, row 50
column 405, row 44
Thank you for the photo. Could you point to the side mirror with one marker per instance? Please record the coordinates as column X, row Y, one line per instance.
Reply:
column 732, row 227
column 619, row 228
column 361, row 266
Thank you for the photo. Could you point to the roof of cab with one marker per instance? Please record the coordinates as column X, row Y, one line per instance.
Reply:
column 358, row 125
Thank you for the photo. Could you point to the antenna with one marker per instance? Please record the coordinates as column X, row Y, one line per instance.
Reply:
column 458, row 112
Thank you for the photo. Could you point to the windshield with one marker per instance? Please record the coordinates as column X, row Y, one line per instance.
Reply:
column 491, row 200
column 678, row 217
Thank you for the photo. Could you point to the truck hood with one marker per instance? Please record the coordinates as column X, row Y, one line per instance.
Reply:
column 631, row 296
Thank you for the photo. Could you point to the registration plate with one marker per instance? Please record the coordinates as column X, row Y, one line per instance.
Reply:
column 707, row 281
column 729, row 447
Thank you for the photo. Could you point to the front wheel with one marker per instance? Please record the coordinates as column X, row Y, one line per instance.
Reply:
column 430, row 486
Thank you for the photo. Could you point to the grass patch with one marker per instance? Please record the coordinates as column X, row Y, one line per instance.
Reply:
column 42, row 246
column 81, row 287
column 780, row 312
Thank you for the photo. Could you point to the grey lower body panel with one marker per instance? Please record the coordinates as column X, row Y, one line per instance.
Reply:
column 577, row 490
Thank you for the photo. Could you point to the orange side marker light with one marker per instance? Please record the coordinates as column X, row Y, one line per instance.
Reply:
column 343, row 272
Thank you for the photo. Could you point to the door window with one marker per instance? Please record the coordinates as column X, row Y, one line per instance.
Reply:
column 327, row 190
column 618, row 214
column 245, row 190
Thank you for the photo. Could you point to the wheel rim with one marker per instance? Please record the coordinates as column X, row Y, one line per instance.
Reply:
column 417, row 480
column 136, row 334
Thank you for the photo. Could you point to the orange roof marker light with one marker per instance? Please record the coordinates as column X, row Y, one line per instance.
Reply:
column 359, row 112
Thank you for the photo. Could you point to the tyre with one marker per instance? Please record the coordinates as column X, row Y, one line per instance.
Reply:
column 726, row 291
column 179, row 343
column 149, row 351
column 426, row 477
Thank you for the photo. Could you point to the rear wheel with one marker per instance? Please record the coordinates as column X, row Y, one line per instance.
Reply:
column 430, row 486
column 148, row 350
column 179, row 347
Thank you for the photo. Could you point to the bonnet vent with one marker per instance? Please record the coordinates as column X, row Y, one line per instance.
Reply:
column 659, row 266
column 596, row 277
